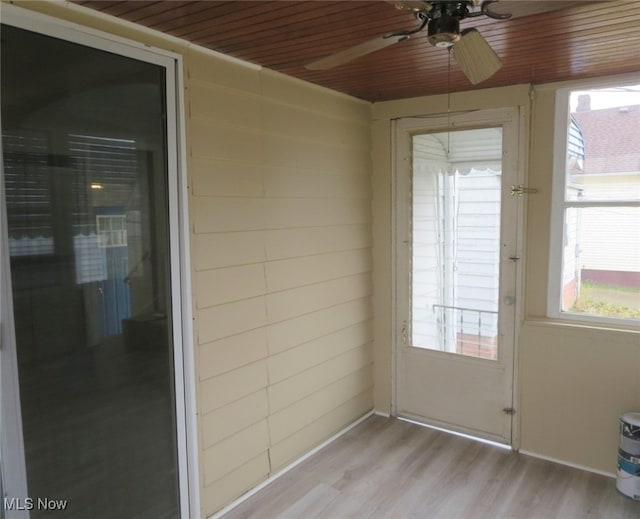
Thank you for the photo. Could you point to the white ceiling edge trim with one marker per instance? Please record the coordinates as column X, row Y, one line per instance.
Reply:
column 171, row 40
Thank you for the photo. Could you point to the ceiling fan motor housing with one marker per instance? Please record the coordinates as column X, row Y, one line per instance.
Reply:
column 444, row 22
column 443, row 31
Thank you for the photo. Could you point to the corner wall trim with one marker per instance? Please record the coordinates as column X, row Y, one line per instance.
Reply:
column 289, row 467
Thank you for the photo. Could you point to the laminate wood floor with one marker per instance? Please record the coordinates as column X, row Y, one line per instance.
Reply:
column 387, row 468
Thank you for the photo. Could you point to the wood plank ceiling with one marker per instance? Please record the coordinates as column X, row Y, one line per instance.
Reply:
column 585, row 39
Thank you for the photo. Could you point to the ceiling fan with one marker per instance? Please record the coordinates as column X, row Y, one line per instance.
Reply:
column 442, row 19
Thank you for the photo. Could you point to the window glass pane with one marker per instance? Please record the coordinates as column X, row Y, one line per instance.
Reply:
column 602, row 261
column 603, row 145
column 601, row 258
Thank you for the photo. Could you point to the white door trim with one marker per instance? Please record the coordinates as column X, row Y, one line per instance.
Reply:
column 182, row 313
column 455, row 121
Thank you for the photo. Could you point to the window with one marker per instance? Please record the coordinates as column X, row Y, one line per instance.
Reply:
column 595, row 253
column 112, row 230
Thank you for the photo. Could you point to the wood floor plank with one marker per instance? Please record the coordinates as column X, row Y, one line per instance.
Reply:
column 388, row 468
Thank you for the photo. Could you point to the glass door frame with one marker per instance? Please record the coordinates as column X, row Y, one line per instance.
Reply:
column 13, row 470
column 404, row 128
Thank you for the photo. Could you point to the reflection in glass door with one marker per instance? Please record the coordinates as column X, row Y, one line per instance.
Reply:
column 84, row 143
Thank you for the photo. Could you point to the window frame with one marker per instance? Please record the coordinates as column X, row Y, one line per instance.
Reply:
column 559, row 206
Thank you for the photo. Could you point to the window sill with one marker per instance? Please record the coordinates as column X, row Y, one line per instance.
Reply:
column 594, row 326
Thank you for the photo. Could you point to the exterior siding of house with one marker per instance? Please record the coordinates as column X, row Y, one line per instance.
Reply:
column 280, row 238
column 619, row 234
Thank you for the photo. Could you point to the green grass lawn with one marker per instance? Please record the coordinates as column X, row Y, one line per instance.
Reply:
column 608, row 300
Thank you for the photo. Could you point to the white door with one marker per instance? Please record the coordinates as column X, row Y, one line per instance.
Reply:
column 457, row 260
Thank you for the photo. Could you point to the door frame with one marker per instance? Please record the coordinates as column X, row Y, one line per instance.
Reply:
column 184, row 380
column 440, row 122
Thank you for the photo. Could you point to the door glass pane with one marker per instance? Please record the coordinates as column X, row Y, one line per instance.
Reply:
column 456, row 186
column 84, row 146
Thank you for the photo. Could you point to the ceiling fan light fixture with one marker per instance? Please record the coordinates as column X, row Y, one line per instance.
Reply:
column 475, row 57
column 443, row 31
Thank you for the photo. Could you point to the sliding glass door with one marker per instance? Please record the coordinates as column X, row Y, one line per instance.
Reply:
column 88, row 240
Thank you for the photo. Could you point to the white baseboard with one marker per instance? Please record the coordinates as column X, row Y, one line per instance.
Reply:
column 292, row 465
column 380, row 413
column 568, row 464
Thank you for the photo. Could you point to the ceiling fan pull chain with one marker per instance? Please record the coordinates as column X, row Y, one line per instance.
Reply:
column 449, row 100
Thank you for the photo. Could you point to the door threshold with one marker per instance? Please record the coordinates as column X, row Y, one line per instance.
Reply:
column 457, row 433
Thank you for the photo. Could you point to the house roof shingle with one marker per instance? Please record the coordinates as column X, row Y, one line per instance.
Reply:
column 612, row 139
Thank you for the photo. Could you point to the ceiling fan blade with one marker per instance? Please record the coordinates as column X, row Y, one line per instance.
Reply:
column 475, row 56
column 518, row 8
column 362, row 49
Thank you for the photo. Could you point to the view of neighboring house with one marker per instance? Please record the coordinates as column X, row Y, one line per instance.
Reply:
column 602, row 244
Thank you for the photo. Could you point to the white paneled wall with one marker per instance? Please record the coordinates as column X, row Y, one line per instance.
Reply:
column 281, row 238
